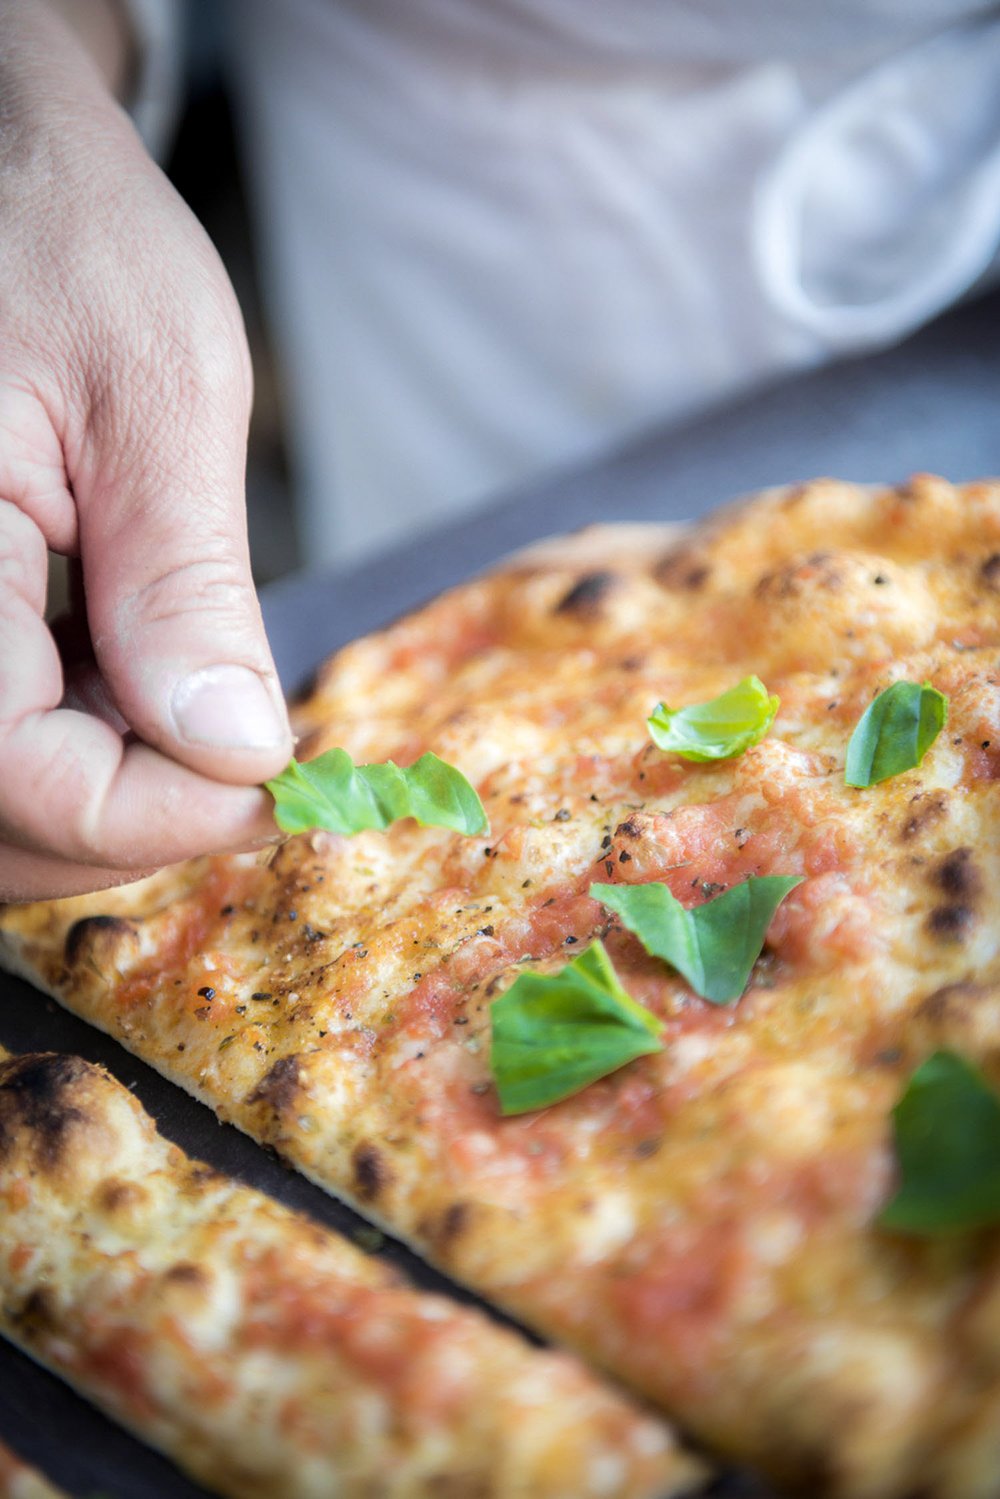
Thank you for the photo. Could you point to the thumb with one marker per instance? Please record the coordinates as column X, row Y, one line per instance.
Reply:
column 173, row 614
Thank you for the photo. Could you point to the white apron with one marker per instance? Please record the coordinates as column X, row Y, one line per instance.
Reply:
column 502, row 235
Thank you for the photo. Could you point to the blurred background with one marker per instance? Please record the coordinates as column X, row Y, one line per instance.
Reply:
column 202, row 160
column 477, row 244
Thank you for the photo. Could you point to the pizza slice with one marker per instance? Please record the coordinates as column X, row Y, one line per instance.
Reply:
column 264, row 1354
column 708, row 1220
column 20, row 1481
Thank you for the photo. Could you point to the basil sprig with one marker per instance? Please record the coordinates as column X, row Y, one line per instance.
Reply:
column 332, row 792
column 555, row 1033
column 947, row 1138
column 714, row 945
column 719, row 729
column 894, row 733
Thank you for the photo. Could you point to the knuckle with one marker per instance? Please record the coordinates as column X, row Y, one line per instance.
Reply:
column 215, row 588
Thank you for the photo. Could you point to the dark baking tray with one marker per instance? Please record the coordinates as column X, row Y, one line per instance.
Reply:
column 933, row 404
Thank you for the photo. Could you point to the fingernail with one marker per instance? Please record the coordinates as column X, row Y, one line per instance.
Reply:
column 228, row 707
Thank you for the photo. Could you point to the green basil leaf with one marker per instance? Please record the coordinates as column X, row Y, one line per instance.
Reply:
column 555, row 1033
column 332, row 792
column 947, row 1138
column 713, row 945
column 894, row 733
column 719, row 729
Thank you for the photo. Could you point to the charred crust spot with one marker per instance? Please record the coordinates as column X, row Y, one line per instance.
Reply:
column 950, row 923
column 115, row 1196
column 927, row 811
column 202, row 1175
column 646, row 1148
column 279, row 1085
column 454, row 1222
column 35, row 1093
column 36, row 1314
column 587, row 593
column 444, row 1228
column 990, row 572
column 682, row 568
column 958, row 876
column 184, row 1273
column 84, row 934
column 821, row 570
column 918, row 488
column 370, row 1170
column 951, row 1001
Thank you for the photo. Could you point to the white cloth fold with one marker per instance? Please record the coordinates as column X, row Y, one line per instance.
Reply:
column 501, row 235
column 884, row 206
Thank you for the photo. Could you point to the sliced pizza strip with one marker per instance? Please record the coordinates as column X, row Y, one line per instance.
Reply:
column 264, row 1354
column 20, row 1481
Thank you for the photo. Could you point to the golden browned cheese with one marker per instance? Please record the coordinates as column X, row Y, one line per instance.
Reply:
column 19, row 1481
column 266, row 1355
column 703, row 1222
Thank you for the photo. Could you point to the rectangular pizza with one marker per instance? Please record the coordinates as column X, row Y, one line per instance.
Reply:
column 743, row 795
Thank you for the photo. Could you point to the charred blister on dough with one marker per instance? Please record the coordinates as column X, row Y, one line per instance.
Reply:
column 803, row 575
column 370, row 1171
column 588, row 593
column 185, row 1273
column 927, row 811
column 445, row 1229
column 39, row 1102
column 100, row 941
column 186, row 1283
column 964, row 1016
column 952, row 1001
column 683, row 568
column 922, row 489
column 958, row 875
column 989, row 572
column 116, row 1197
column 951, row 922
column 279, row 1086
column 195, row 1176
column 36, row 1316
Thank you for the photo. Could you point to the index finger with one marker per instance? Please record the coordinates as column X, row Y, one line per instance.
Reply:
column 70, row 785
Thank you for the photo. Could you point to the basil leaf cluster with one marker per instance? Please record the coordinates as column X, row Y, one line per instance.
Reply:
column 332, row 792
column 555, row 1033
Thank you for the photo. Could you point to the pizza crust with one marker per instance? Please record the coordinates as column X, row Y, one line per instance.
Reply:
column 19, row 1481
column 264, row 1354
column 702, row 1223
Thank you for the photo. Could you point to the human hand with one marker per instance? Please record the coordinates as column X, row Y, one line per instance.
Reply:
column 125, row 391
